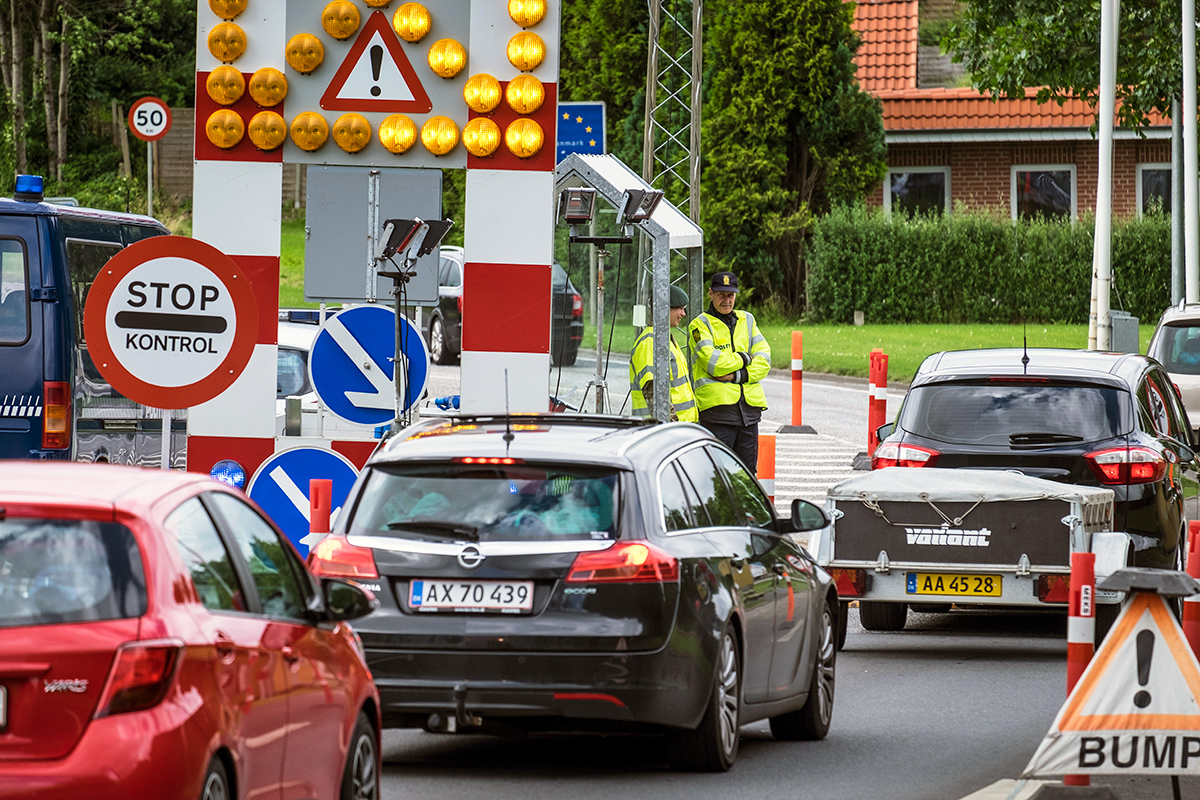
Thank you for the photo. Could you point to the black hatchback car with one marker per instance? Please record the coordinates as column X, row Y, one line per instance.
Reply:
column 443, row 330
column 558, row 572
column 1090, row 418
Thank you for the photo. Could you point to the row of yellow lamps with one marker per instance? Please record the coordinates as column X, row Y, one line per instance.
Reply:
column 525, row 13
column 352, row 132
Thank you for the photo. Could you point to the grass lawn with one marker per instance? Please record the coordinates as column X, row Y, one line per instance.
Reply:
column 836, row 349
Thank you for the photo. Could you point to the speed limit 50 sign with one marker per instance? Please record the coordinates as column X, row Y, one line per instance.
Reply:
column 149, row 119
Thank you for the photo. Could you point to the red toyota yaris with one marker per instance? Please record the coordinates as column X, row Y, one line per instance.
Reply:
column 160, row 638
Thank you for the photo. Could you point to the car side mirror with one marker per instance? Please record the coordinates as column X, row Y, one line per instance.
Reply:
column 345, row 600
column 807, row 516
column 884, row 431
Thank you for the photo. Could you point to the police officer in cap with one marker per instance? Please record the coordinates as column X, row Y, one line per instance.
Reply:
column 730, row 358
column 641, row 369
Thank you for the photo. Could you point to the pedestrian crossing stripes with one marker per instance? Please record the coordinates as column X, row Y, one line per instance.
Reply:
column 20, row 406
column 808, row 465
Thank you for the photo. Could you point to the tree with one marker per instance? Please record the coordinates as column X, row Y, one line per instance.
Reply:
column 787, row 134
column 1007, row 45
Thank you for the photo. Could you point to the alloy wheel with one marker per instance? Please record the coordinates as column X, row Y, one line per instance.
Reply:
column 826, row 657
column 215, row 787
column 727, row 694
column 363, row 775
column 437, row 341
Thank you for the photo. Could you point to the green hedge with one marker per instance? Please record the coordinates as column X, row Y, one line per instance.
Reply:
column 978, row 267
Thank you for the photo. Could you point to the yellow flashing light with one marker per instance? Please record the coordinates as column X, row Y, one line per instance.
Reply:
column 304, row 53
column 526, row 51
column 481, row 137
column 309, row 131
column 340, row 19
column 447, row 58
column 267, row 130
column 524, row 138
column 224, row 128
column 227, row 9
column 397, row 133
column 439, row 135
column 226, row 41
column 377, row 3
column 482, row 93
column 411, row 22
column 352, row 132
column 268, row 87
column 225, row 85
column 527, row 13
column 525, row 94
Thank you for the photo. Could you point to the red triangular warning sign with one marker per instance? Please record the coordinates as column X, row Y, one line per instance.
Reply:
column 1136, row 709
column 376, row 75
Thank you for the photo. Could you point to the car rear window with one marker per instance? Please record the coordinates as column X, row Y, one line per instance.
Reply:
column 56, row 570
column 1178, row 349
column 1002, row 413
column 514, row 502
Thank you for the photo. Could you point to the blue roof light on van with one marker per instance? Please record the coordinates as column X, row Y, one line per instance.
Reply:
column 230, row 473
column 30, row 188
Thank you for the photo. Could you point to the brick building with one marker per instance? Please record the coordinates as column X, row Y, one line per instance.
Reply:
column 949, row 145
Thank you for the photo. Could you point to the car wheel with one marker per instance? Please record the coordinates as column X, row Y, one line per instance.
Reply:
column 713, row 746
column 843, row 623
column 439, row 348
column 812, row 721
column 564, row 356
column 360, row 779
column 216, row 782
column 882, row 616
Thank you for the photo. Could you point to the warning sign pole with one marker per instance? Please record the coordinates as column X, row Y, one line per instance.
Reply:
column 1081, row 630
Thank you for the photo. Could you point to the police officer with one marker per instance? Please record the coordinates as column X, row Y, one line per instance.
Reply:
column 641, row 369
column 730, row 358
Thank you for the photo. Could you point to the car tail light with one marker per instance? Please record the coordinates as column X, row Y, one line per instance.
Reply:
column 1017, row 379
column 56, row 415
column 576, row 305
column 850, row 582
column 625, row 562
column 893, row 454
column 141, row 675
column 335, row 557
column 487, row 459
column 1054, row 588
column 459, row 301
column 1126, row 466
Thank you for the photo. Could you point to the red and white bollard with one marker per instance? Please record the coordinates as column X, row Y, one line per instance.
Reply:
column 766, row 464
column 877, row 396
column 1191, row 605
column 320, row 498
column 1081, row 630
column 797, row 375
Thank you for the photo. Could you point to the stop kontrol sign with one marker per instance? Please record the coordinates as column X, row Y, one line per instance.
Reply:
column 170, row 322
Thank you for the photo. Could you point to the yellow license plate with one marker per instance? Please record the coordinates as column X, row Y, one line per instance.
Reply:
column 944, row 583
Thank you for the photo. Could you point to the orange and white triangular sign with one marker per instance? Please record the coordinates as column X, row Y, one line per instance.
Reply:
column 1136, row 709
column 376, row 75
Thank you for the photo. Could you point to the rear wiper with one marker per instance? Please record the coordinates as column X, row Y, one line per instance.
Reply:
column 436, row 527
column 1040, row 437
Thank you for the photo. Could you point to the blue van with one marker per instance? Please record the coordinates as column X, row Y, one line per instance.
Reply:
column 53, row 402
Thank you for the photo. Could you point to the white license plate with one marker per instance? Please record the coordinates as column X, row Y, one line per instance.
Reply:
column 437, row 595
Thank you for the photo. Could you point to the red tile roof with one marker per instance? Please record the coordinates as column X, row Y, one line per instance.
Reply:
column 887, row 58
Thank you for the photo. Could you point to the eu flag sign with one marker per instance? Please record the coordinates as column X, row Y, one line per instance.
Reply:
column 580, row 129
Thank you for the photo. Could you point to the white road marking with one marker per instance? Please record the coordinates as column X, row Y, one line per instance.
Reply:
column 384, row 395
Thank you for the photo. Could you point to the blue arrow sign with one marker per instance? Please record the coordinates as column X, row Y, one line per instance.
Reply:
column 280, row 487
column 580, row 129
column 350, row 365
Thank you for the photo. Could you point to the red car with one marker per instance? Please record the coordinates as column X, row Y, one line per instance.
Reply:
column 160, row 638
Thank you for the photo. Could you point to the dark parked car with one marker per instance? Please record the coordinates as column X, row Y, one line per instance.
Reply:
column 443, row 325
column 1089, row 418
column 160, row 638
column 559, row 572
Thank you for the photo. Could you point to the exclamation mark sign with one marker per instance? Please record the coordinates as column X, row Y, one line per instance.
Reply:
column 376, row 64
column 1145, row 652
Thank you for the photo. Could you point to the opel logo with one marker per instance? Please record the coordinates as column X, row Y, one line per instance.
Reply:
column 470, row 557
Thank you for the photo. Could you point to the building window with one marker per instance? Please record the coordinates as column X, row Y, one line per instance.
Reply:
column 1043, row 190
column 1154, row 189
column 917, row 190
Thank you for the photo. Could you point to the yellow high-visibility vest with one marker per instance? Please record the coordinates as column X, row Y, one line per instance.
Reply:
column 641, row 370
column 715, row 354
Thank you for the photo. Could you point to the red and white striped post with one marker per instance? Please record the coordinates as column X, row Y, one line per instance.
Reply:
column 1191, row 605
column 797, row 376
column 320, row 498
column 1081, row 630
column 766, row 464
column 877, row 396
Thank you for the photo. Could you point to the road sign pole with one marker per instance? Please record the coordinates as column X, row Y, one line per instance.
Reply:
column 400, row 365
column 166, row 438
column 149, row 179
column 1081, row 630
